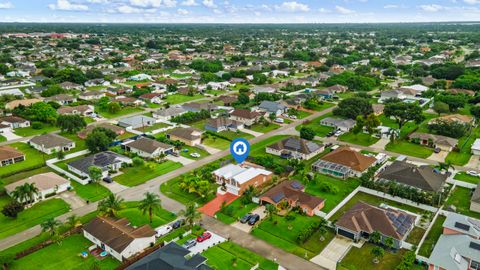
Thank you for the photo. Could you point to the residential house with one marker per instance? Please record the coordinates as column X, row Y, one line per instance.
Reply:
column 296, row 148
column 273, row 107
column 97, row 82
column 337, row 88
column 228, row 100
column 344, row 162
column 235, row 179
column 51, row 143
column 83, row 110
column 247, row 117
column 263, row 89
column 189, row 136
column 222, row 124
column 198, row 107
column 458, row 118
column 117, row 237
column 91, row 95
column 129, row 101
column 137, row 121
column 155, row 98
column 363, row 219
column 436, row 141
column 421, row 177
column 458, row 91
column 62, row 99
column 340, row 124
column 14, row 122
column 71, row 86
column 460, row 224
column 148, row 148
column 48, row 184
column 293, row 192
column 172, row 256
column 24, row 102
column 168, row 113
column 106, row 161
column 325, row 93
column 116, row 129
column 10, row 155
column 456, row 251
column 475, row 200
column 378, row 109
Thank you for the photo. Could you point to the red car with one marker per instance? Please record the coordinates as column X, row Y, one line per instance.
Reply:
column 204, row 236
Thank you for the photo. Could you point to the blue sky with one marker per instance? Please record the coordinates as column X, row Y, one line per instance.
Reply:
column 238, row 11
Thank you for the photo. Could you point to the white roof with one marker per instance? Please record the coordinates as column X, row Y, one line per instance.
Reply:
column 249, row 174
column 229, row 171
column 476, row 145
column 417, row 87
column 240, row 174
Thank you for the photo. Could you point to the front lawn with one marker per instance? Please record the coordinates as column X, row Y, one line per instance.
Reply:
column 363, row 139
column 33, row 160
column 410, row 149
column 323, row 106
column 460, row 198
column 191, row 150
column 283, row 233
column 320, row 130
column 66, row 256
column 122, row 112
column 463, row 176
column 432, row 237
column 464, row 144
column 90, row 192
column 231, row 135
column 2, row 139
column 178, row 98
column 32, row 216
column 215, row 142
column 263, row 128
column 234, row 211
column 172, row 190
column 137, row 175
column 362, row 258
column 131, row 212
column 222, row 256
column 29, row 131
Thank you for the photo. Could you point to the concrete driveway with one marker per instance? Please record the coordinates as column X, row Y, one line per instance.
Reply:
column 333, row 252
column 380, row 144
column 183, row 160
column 247, row 228
column 210, row 150
column 202, row 246
column 9, row 135
column 72, row 199
column 114, row 187
column 474, row 162
column 440, row 157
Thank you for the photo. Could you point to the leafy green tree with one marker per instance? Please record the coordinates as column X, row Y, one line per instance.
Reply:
column 151, row 204
column 448, row 128
column 259, row 78
column 378, row 253
column 191, row 214
column 454, row 101
column 271, row 210
column 71, row 123
column 113, row 107
column 403, row 112
column 110, row 205
column 441, row 107
column 51, row 226
column 475, row 111
column 99, row 140
column 73, row 221
column 103, row 103
column 6, row 260
column 137, row 161
column 243, row 99
column 375, row 237
column 307, row 133
column 95, row 173
column 352, row 107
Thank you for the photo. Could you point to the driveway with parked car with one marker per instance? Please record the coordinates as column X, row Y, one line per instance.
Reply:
column 244, row 225
column 204, row 243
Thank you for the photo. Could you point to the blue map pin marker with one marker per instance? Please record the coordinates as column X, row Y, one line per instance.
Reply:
column 240, row 148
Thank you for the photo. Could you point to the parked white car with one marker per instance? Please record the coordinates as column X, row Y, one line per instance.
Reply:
column 161, row 231
column 473, row 173
column 279, row 120
column 195, row 155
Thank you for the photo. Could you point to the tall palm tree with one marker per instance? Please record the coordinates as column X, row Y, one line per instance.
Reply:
column 190, row 214
column 25, row 193
column 110, row 205
column 50, row 225
column 151, row 203
column 32, row 191
column 73, row 221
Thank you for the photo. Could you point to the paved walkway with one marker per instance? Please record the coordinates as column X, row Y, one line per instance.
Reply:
column 72, row 199
column 183, row 160
column 333, row 252
column 474, row 162
column 249, row 131
column 113, row 187
column 210, row 150
column 214, row 205
column 10, row 136
column 247, row 228
column 380, row 144
column 439, row 157
column 264, row 249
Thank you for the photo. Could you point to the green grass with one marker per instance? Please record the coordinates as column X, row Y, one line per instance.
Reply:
column 178, row 98
column 344, row 187
column 153, row 127
column 408, row 148
column 386, row 121
column 373, row 200
column 302, row 114
column 231, row 135
column 90, row 192
column 125, row 135
column 432, row 237
column 359, row 139
column 199, row 124
column 283, row 234
column 362, row 258
column 323, row 106
column 33, row 160
column 460, row 198
column 137, row 218
column 237, row 212
column 172, row 190
column 193, row 149
column 259, row 127
column 79, row 143
column 32, row 216
column 122, row 112
column 22, row 175
column 220, row 258
column 66, row 257
column 464, row 154
column 320, row 130
column 2, row 139
column 415, row 235
column 29, row 131
column 216, row 142
column 463, row 176
column 137, row 175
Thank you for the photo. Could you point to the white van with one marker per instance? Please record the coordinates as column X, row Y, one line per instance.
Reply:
column 161, row 231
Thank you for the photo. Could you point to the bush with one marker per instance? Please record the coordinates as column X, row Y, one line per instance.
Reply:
column 137, row 161
column 328, row 188
column 12, row 209
column 304, row 234
column 37, row 125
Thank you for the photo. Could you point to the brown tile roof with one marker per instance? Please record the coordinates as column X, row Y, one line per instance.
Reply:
column 454, row 117
column 247, row 114
column 350, row 158
column 186, row 133
column 7, row 152
column 12, row 119
column 117, row 234
column 67, row 109
column 50, row 140
column 368, row 218
column 25, row 102
column 292, row 190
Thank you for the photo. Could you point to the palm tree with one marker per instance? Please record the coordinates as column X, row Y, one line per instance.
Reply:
column 271, row 209
column 248, row 194
column 191, row 214
column 25, row 193
column 151, row 203
column 393, row 133
column 32, row 191
column 110, row 205
column 73, row 221
column 50, row 225
column 377, row 252
column 375, row 237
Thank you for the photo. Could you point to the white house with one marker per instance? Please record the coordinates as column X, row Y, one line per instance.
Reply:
column 47, row 183
column 476, row 147
column 51, row 143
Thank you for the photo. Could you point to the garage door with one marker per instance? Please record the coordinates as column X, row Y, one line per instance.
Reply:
column 346, row 234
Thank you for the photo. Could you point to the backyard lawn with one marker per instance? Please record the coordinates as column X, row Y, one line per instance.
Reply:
column 432, row 237
column 79, row 143
column 360, row 138
column 362, row 258
column 235, row 211
column 283, row 233
column 460, row 198
column 90, row 192
column 29, row 131
column 178, row 98
column 415, row 235
column 137, row 175
column 122, row 112
column 131, row 212
column 33, row 160
column 153, row 127
column 465, row 144
column 32, row 216
column 22, row 175
column 193, row 149
column 222, row 256
column 66, row 256
column 462, row 176
column 262, row 128
column 410, row 149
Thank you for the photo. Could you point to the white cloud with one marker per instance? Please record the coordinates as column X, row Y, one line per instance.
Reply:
column 343, row 10
column 292, row 7
column 67, row 6
column 182, row 11
column 431, row 8
column 209, row 3
column 390, row 6
column 472, row 2
column 217, row 11
column 153, row 3
column 323, row 10
column 189, row 3
column 126, row 9
column 6, row 5
column 98, row 1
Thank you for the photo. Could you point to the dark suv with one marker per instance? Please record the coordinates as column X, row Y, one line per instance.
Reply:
column 245, row 218
column 253, row 219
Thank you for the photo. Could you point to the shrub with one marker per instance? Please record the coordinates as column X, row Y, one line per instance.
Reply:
column 12, row 209
column 37, row 125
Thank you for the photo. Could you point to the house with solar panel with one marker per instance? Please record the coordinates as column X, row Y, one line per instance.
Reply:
column 296, row 148
column 362, row 219
column 459, row 245
column 107, row 161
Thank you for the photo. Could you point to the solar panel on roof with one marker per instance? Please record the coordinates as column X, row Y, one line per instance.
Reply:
column 278, row 197
column 296, row 185
column 475, row 245
column 462, row 226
